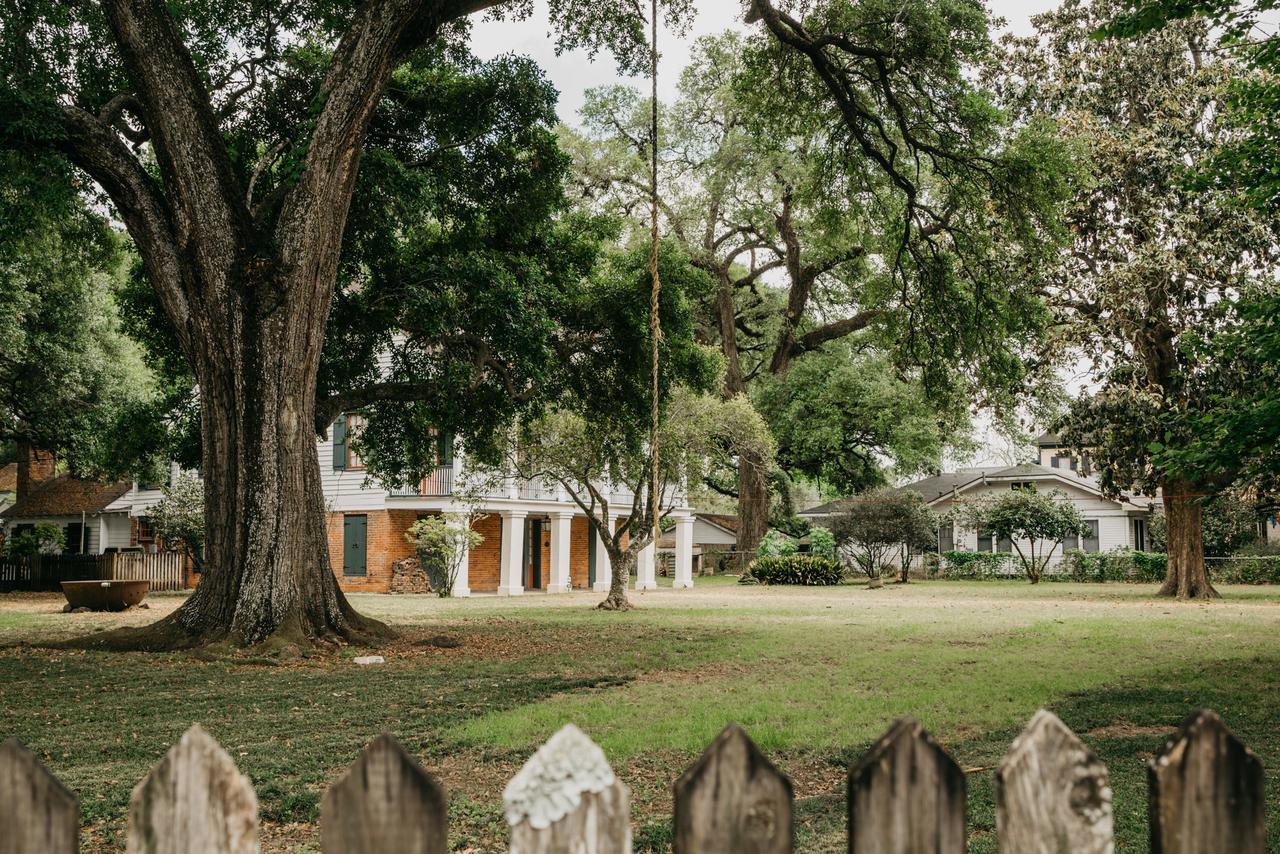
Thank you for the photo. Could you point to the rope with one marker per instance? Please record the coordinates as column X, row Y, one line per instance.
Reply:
column 655, row 324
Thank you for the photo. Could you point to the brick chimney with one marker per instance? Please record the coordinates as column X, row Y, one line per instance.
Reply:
column 34, row 468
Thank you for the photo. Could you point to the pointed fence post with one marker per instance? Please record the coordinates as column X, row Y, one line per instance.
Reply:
column 1206, row 792
column 385, row 804
column 1052, row 793
column 906, row 796
column 194, row 799
column 566, row 800
column 733, row 801
column 37, row 813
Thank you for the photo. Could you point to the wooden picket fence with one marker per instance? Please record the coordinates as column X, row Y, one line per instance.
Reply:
column 165, row 570
column 905, row 796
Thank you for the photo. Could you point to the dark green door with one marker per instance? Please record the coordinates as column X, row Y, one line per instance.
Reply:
column 591, row 556
column 355, row 530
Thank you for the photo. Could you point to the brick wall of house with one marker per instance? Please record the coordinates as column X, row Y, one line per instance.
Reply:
column 385, row 530
column 579, row 543
column 377, row 577
column 485, row 561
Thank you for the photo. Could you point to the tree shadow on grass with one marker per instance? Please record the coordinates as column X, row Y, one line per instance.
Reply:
column 1125, row 725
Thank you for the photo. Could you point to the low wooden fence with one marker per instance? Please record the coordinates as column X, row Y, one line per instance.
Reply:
column 906, row 795
column 44, row 572
column 165, row 570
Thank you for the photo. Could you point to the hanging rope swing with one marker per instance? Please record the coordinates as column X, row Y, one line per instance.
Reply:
column 655, row 323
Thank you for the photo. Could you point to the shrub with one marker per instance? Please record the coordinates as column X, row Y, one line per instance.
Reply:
column 1253, row 569
column 793, row 569
column 1122, row 564
column 982, row 566
column 822, row 543
column 776, row 544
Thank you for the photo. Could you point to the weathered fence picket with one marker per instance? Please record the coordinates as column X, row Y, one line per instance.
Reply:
column 385, row 804
column 1206, row 792
column 566, row 800
column 1052, row 793
column 733, row 801
column 906, row 795
column 194, row 799
column 36, row 812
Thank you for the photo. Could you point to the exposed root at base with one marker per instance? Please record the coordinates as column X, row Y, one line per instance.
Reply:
column 288, row 642
column 612, row 604
column 1198, row 593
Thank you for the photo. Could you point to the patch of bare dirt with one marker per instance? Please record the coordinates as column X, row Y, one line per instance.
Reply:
column 1126, row 729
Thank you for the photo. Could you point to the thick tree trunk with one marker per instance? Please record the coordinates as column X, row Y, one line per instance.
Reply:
column 267, row 573
column 753, row 504
column 624, row 561
column 1187, row 577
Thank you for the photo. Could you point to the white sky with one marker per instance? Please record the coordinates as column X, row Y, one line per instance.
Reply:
column 573, row 73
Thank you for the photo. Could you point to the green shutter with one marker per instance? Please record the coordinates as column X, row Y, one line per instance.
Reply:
column 354, row 544
column 444, row 449
column 340, row 443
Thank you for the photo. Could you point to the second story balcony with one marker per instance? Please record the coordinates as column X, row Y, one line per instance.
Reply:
column 438, row 483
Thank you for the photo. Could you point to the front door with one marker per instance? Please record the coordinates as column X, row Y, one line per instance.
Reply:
column 533, row 552
column 591, row 556
column 355, row 531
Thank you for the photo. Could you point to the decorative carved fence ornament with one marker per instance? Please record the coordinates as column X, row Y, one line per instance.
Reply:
column 906, row 795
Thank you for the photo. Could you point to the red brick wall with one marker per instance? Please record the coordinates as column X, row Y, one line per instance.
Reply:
column 386, row 544
column 485, row 561
column 579, row 542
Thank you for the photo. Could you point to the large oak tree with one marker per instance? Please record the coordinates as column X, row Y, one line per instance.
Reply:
column 897, row 230
column 1158, row 258
column 229, row 138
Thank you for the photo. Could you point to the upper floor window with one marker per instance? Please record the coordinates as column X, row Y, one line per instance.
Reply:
column 346, row 427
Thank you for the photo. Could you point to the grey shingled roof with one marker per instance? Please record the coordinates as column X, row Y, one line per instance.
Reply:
column 942, row 485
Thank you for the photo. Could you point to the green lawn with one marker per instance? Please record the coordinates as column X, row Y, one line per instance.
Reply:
column 813, row 674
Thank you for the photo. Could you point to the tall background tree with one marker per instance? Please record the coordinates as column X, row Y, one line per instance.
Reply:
column 1157, row 257
column 1237, row 427
column 813, row 244
column 68, row 372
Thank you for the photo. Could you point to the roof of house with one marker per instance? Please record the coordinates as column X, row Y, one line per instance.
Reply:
column 950, row 483
column 9, row 477
column 727, row 521
column 1050, row 440
column 65, row 495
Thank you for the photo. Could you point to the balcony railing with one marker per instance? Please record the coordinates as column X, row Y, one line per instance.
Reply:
column 538, row 490
column 438, row 483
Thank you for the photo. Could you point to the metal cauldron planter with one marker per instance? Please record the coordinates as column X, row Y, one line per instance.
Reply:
column 105, row 595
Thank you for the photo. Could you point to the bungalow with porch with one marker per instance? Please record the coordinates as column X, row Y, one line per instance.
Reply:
column 1111, row 522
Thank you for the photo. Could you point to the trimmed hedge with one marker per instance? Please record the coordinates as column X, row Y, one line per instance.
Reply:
column 1253, row 569
column 793, row 569
column 1121, row 564
column 978, row 566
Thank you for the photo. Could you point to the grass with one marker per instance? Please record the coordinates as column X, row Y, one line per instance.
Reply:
column 814, row 675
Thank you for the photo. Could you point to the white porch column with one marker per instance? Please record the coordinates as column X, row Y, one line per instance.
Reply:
column 102, row 534
column 645, row 579
column 684, row 553
column 511, row 573
column 604, row 568
column 561, row 525
column 461, row 582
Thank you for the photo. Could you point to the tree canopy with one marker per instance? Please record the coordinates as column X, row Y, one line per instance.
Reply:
column 1157, row 258
column 881, row 521
column 812, row 240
